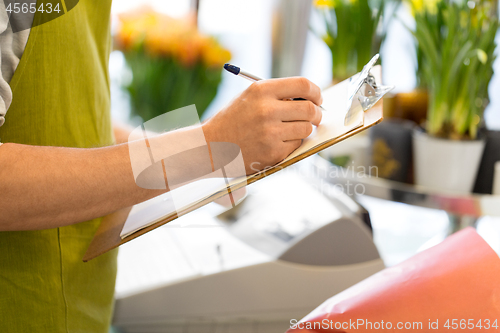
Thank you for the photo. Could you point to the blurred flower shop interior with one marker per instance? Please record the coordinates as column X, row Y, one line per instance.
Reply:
column 434, row 161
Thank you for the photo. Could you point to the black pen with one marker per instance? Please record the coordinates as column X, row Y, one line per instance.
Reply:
column 237, row 71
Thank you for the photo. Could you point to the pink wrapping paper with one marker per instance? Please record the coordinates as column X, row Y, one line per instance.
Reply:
column 454, row 284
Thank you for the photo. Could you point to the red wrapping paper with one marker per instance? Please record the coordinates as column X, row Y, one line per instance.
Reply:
column 451, row 287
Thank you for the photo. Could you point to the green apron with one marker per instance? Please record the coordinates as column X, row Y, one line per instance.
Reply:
column 61, row 98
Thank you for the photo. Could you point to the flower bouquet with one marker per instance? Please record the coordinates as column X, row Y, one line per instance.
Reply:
column 172, row 63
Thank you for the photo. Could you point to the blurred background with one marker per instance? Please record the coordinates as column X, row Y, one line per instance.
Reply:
column 431, row 168
column 295, row 37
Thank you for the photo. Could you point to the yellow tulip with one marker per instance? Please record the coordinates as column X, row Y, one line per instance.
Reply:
column 424, row 6
column 325, row 3
column 482, row 56
column 163, row 36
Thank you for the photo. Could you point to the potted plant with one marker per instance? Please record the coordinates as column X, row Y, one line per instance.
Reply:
column 456, row 43
column 173, row 65
column 355, row 30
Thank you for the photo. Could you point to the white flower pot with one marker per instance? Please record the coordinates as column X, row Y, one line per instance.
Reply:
column 446, row 165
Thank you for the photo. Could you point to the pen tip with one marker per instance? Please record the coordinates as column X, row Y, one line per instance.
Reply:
column 232, row 69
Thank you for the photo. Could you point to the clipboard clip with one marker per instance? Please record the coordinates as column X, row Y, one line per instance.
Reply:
column 363, row 91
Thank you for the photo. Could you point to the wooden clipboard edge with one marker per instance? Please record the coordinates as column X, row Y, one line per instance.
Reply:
column 107, row 236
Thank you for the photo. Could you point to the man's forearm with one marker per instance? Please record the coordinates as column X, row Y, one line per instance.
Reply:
column 47, row 187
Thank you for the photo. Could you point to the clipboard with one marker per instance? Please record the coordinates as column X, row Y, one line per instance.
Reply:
column 367, row 98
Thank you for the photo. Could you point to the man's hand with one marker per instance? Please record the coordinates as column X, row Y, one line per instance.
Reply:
column 265, row 124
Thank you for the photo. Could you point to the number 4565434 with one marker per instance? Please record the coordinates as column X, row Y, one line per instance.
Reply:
column 31, row 8
column 470, row 324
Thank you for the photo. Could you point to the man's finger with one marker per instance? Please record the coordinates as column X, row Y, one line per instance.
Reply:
column 293, row 87
column 300, row 110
